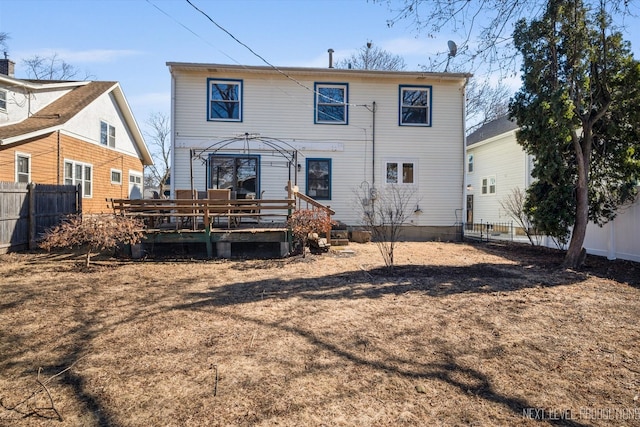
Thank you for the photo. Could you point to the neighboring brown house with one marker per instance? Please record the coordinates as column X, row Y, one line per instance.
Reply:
column 62, row 132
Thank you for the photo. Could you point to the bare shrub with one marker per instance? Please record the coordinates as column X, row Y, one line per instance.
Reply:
column 384, row 213
column 513, row 204
column 95, row 233
column 305, row 222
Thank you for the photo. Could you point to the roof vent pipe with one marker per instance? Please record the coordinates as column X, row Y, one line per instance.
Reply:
column 330, row 58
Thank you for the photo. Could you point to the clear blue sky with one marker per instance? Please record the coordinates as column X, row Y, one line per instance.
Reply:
column 130, row 41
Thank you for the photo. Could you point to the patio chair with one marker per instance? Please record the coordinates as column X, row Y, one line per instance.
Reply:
column 187, row 221
column 220, row 194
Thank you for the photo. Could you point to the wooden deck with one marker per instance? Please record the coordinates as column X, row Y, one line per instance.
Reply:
column 218, row 224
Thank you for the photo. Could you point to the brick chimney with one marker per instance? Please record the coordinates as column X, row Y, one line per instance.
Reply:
column 7, row 66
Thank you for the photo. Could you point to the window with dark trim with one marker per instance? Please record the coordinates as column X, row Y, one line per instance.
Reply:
column 415, row 105
column 224, row 99
column 319, row 179
column 331, row 103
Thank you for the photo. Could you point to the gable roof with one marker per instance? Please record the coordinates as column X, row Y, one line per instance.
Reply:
column 494, row 128
column 53, row 116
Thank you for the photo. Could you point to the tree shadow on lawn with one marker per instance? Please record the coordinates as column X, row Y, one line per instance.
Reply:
column 620, row 270
column 435, row 281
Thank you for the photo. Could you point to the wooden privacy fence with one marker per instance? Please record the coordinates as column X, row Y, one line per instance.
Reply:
column 28, row 210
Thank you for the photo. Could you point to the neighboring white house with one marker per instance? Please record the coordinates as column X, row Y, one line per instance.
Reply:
column 332, row 132
column 496, row 164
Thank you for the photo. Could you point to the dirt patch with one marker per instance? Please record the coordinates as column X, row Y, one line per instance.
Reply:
column 457, row 334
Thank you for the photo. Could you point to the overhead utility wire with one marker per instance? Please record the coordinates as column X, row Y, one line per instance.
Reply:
column 262, row 58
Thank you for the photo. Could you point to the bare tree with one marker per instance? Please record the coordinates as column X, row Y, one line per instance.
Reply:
column 485, row 102
column 371, row 57
column 3, row 40
column 51, row 68
column 483, row 28
column 384, row 213
column 514, row 204
column 159, row 142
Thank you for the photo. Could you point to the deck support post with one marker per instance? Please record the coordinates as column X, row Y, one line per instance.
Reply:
column 223, row 249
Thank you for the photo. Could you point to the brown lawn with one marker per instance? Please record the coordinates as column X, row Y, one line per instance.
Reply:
column 457, row 335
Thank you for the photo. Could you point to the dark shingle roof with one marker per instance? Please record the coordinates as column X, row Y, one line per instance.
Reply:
column 491, row 129
column 59, row 111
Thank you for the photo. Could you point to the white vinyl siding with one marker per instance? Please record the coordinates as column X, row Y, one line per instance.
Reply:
column 267, row 98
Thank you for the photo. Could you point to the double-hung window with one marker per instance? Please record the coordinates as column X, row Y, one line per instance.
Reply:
column 331, row 103
column 107, row 134
column 400, row 172
column 415, row 105
column 23, row 168
column 489, row 185
column 224, row 100
column 79, row 173
column 470, row 163
column 319, row 179
column 3, row 100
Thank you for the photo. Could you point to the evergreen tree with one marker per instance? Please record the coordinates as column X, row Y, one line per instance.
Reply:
column 578, row 110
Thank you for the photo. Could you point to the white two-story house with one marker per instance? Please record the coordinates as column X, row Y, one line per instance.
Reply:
column 333, row 133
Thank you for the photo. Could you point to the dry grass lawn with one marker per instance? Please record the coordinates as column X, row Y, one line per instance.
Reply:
column 457, row 335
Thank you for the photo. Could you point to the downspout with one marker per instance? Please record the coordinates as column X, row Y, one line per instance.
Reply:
column 173, row 137
column 373, row 147
column 58, row 159
column 464, row 156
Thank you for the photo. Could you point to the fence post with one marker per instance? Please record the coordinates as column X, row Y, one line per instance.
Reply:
column 79, row 199
column 31, row 188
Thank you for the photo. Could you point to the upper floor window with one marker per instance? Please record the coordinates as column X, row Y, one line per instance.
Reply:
column 399, row 172
column 415, row 105
column 470, row 163
column 79, row 173
column 331, row 103
column 23, row 168
column 319, row 178
column 107, row 134
column 489, row 185
column 3, row 100
column 224, row 100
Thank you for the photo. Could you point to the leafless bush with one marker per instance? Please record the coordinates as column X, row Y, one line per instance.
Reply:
column 95, row 233
column 384, row 212
column 513, row 204
column 304, row 222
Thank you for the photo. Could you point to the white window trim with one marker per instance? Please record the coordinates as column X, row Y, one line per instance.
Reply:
column 4, row 109
column 109, row 143
column 470, row 161
column 400, row 163
column 488, row 192
column 28, row 156
column 80, row 180
column 111, row 175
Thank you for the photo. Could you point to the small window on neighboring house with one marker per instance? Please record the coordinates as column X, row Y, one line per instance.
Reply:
column 489, row 185
column 3, row 100
column 116, row 176
column 470, row 163
column 331, row 103
column 23, row 168
column 400, row 172
column 319, row 178
column 415, row 105
column 107, row 134
column 79, row 173
column 225, row 100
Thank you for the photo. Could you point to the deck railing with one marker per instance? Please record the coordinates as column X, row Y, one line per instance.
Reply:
column 189, row 213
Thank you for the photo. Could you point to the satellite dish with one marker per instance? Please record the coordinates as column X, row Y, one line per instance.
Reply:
column 453, row 49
